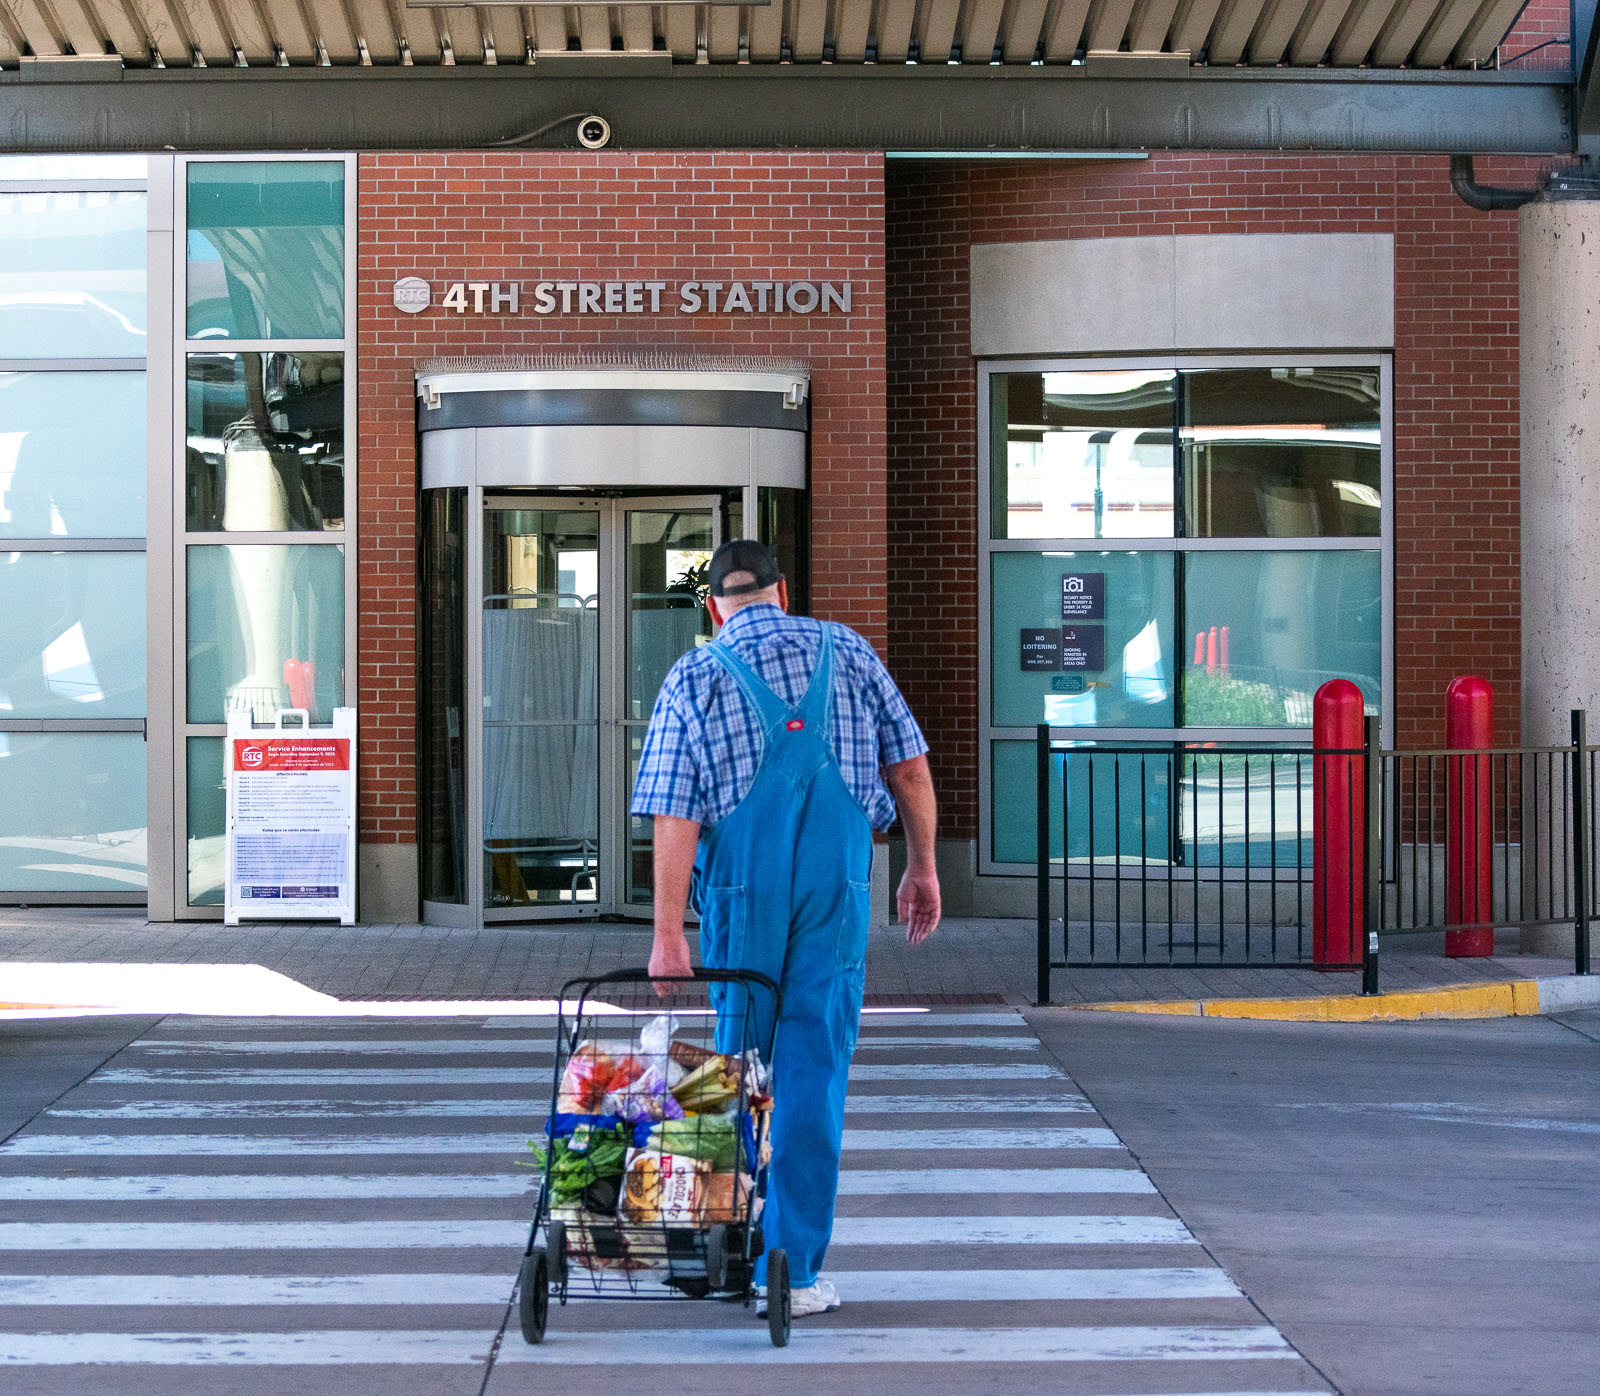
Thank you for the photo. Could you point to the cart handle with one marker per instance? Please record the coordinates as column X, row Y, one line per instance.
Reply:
column 585, row 983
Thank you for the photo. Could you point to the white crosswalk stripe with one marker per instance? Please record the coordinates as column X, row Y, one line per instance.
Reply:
column 197, row 1204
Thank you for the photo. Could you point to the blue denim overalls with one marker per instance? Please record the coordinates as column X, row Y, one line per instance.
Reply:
column 782, row 887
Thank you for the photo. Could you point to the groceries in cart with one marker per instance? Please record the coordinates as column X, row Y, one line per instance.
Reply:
column 654, row 1140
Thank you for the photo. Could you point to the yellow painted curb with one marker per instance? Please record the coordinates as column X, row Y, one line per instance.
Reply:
column 1515, row 998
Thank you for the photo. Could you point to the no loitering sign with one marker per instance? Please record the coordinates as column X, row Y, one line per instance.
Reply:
column 291, row 836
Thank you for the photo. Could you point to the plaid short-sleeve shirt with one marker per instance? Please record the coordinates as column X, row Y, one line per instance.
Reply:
column 704, row 741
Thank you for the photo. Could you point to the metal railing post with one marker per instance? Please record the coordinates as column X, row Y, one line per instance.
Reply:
column 1371, row 871
column 1042, row 869
column 1580, row 841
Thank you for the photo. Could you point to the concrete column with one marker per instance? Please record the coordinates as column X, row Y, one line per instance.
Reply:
column 1559, row 266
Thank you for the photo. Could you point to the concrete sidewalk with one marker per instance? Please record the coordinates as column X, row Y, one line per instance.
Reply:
column 966, row 961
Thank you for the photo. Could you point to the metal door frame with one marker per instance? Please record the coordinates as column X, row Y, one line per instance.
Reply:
column 612, row 722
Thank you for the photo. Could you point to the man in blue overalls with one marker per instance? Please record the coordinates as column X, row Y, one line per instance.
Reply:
column 764, row 768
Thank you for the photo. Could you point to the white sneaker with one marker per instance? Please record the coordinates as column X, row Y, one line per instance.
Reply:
column 817, row 1298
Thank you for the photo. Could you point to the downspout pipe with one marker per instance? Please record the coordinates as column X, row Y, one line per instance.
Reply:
column 1486, row 198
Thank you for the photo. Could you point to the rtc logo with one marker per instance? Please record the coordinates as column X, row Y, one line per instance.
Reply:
column 252, row 756
column 412, row 295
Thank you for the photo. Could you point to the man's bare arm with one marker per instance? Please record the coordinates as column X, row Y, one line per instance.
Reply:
column 912, row 785
column 675, row 844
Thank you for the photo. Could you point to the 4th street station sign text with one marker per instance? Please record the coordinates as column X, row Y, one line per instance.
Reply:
column 699, row 297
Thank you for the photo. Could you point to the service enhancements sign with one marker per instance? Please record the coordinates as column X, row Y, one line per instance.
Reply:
column 291, row 843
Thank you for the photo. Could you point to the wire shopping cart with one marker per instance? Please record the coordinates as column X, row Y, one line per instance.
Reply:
column 656, row 1149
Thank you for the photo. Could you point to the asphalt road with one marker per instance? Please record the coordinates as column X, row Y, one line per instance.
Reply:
column 1416, row 1206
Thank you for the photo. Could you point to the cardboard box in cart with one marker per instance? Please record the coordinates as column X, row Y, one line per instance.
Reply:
column 291, row 832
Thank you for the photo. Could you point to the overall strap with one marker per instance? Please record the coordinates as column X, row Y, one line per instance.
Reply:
column 770, row 709
column 816, row 706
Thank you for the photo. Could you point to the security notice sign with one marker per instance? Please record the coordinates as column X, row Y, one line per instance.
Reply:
column 291, row 818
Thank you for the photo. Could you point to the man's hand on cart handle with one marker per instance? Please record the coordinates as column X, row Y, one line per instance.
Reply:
column 669, row 957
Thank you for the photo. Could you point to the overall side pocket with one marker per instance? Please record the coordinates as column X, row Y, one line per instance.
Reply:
column 851, row 947
column 722, row 927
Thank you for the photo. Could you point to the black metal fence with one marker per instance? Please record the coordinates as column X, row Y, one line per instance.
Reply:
column 1238, row 857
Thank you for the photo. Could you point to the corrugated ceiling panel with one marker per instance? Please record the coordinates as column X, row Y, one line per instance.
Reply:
column 638, row 29
column 1276, row 28
column 289, row 30
column 766, row 33
column 1024, row 28
column 1399, row 36
column 1192, row 27
column 1230, row 35
column 466, row 39
column 121, row 30
column 79, row 29
column 505, row 28
column 1487, row 31
column 1150, row 24
column 722, row 33
column 1108, row 24
column 200, row 21
column 421, row 33
column 1443, row 32
column 852, row 27
column 1065, row 32
column 938, row 34
column 981, row 30
column 1320, row 23
column 895, row 18
column 594, row 28
column 1360, row 31
column 40, row 34
column 808, row 29
column 11, row 37
column 330, row 26
column 247, row 29
column 549, row 29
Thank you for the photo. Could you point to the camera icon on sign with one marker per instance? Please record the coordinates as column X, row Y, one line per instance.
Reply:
column 1072, row 584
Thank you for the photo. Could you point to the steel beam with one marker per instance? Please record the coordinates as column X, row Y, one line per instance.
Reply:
column 1586, row 76
column 1104, row 107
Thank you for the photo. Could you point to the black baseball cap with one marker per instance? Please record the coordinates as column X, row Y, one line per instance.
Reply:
column 743, row 555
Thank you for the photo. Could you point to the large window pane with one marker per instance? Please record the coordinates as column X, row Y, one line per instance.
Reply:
column 1282, row 453
column 1082, row 455
column 72, row 812
column 208, row 821
column 1109, row 807
column 1266, row 629
column 72, row 645
column 266, row 250
column 265, row 441
column 85, row 167
column 72, row 455
column 72, row 276
column 1082, row 639
column 266, row 630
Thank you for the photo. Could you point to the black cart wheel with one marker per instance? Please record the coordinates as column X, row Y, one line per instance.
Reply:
column 533, row 1296
column 778, row 1298
column 555, row 1244
column 717, row 1257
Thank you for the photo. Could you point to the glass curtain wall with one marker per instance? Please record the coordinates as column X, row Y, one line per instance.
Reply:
column 266, row 326
column 74, row 318
column 1175, row 553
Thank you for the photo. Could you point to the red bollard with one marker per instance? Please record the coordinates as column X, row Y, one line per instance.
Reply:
column 1469, row 819
column 1222, row 651
column 1338, row 844
column 1199, row 648
column 1211, row 650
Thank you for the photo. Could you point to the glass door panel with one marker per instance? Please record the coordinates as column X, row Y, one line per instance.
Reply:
column 667, row 549
column 542, row 612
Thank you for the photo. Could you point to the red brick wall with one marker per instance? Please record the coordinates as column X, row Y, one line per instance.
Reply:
column 1455, row 499
column 608, row 216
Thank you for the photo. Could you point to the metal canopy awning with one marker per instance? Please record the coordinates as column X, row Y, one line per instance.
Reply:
column 1091, row 75
column 267, row 33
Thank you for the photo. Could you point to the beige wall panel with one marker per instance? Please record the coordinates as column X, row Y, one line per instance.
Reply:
column 1183, row 294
